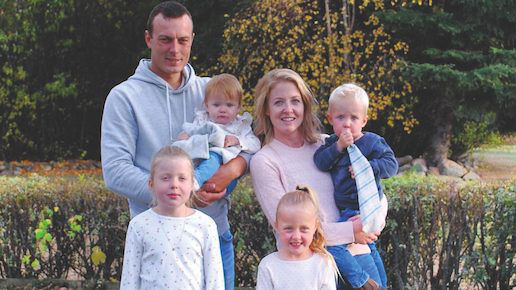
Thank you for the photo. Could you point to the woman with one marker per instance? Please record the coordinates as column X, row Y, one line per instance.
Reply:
column 290, row 132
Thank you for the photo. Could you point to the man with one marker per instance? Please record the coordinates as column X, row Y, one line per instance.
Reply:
column 147, row 111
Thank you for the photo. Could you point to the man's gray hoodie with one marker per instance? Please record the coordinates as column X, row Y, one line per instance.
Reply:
column 141, row 115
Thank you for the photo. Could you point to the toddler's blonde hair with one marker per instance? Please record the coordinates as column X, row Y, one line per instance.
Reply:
column 226, row 85
column 351, row 91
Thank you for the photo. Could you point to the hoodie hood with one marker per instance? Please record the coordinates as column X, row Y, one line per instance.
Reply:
column 145, row 74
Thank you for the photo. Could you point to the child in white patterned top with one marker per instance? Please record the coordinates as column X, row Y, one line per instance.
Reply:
column 302, row 261
column 171, row 245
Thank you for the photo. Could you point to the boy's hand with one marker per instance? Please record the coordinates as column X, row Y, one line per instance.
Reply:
column 345, row 139
column 231, row 140
column 351, row 172
column 183, row 136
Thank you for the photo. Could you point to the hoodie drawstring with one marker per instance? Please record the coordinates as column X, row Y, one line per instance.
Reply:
column 169, row 116
column 184, row 107
column 170, row 113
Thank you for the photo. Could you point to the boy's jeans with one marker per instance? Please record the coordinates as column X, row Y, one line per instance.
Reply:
column 228, row 259
column 358, row 269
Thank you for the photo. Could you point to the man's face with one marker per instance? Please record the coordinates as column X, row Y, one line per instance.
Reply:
column 170, row 45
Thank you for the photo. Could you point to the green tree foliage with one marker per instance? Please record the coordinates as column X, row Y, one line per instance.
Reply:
column 462, row 65
column 60, row 59
column 327, row 43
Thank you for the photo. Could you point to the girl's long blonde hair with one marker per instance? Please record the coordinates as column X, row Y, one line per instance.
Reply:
column 303, row 196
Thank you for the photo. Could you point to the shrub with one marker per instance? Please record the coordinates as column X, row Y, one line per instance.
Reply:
column 253, row 237
column 441, row 234
column 438, row 234
column 60, row 227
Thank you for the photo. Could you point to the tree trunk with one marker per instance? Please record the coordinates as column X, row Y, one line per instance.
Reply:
column 348, row 19
column 329, row 36
column 441, row 136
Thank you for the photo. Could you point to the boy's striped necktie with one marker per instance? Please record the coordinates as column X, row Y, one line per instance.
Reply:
column 368, row 198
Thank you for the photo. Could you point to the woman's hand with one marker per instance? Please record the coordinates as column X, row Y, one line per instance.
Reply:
column 360, row 236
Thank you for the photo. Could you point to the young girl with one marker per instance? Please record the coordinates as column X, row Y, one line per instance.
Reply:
column 172, row 246
column 301, row 261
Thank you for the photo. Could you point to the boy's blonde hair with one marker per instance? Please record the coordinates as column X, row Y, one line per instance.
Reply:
column 226, row 85
column 305, row 196
column 311, row 125
column 170, row 152
column 349, row 91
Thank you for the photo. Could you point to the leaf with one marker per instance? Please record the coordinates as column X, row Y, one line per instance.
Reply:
column 40, row 233
column 43, row 246
column 98, row 257
column 48, row 237
column 26, row 259
column 35, row 265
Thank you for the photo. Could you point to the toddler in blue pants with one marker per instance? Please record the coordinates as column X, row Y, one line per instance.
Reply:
column 347, row 113
column 217, row 135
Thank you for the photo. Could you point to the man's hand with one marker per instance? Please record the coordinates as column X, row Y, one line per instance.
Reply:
column 227, row 172
column 231, row 140
column 360, row 236
column 215, row 187
column 183, row 136
column 202, row 198
column 345, row 139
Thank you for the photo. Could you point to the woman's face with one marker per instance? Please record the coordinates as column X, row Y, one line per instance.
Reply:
column 286, row 110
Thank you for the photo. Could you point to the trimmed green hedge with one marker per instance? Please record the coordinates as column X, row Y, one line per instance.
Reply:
column 57, row 227
column 438, row 235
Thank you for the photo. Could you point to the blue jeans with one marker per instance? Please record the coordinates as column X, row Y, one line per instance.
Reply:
column 206, row 168
column 228, row 259
column 358, row 269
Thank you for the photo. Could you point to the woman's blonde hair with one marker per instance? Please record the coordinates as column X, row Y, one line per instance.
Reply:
column 311, row 125
column 303, row 196
column 170, row 152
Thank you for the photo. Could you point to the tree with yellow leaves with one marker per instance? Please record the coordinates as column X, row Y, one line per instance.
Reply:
column 327, row 43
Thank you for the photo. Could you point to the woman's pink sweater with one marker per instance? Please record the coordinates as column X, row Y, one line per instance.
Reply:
column 277, row 169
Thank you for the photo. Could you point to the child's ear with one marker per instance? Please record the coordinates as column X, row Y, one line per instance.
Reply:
column 329, row 118
column 150, row 183
column 365, row 121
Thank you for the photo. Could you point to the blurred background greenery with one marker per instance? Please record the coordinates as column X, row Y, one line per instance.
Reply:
column 441, row 74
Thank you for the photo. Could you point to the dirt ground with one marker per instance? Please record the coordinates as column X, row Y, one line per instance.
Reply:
column 496, row 163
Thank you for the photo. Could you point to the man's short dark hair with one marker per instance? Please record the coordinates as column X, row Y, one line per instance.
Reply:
column 169, row 9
